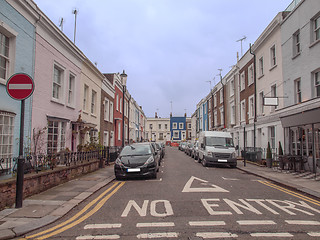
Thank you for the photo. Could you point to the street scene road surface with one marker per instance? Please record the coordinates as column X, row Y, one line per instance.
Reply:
column 189, row 201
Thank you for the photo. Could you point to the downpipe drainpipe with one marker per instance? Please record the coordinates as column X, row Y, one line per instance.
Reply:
column 255, row 98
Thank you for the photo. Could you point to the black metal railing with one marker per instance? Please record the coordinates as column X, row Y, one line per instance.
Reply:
column 37, row 163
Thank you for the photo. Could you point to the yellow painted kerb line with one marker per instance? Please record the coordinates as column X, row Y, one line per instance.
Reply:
column 295, row 194
column 116, row 185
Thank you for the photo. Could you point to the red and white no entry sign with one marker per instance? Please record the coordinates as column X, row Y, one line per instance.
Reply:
column 20, row 86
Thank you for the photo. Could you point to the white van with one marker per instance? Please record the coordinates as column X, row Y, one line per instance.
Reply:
column 217, row 148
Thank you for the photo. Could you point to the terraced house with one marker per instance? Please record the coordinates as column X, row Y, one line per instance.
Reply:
column 272, row 92
column 73, row 102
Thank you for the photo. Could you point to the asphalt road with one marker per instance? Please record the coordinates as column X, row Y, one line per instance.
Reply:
column 188, row 201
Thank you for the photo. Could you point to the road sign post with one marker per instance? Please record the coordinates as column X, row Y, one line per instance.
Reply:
column 20, row 86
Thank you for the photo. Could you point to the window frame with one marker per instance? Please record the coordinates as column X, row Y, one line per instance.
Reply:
column 297, row 91
column 181, row 126
column 273, row 57
column 10, row 33
column 250, row 75
column 106, row 109
column 251, row 106
column 85, row 97
column 261, row 67
column 242, row 81
column 316, row 77
column 60, row 92
column 243, row 110
column 71, row 90
column 6, row 134
column 60, row 134
column 296, row 43
column 93, row 109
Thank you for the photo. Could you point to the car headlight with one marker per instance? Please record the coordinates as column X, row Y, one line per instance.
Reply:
column 118, row 162
column 234, row 155
column 210, row 154
column 150, row 160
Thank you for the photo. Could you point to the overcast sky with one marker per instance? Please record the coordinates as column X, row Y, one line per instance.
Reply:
column 168, row 48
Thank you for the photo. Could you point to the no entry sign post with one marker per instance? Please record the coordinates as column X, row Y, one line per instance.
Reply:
column 20, row 86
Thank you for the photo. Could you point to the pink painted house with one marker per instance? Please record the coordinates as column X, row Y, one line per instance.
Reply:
column 56, row 102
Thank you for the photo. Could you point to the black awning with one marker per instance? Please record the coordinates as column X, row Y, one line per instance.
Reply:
column 302, row 118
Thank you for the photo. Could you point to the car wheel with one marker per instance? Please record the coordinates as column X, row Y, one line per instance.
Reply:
column 154, row 176
column 118, row 177
column 233, row 165
column 204, row 162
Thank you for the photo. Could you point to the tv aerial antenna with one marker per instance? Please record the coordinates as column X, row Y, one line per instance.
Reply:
column 240, row 40
column 61, row 21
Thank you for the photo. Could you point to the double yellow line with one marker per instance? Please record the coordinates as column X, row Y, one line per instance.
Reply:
column 298, row 195
column 78, row 218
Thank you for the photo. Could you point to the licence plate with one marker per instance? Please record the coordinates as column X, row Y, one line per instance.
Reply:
column 222, row 160
column 133, row 170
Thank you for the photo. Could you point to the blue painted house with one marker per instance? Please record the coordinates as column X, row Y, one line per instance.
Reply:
column 17, row 51
column 178, row 128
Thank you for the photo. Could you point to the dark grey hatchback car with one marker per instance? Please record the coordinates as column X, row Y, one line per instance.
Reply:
column 137, row 160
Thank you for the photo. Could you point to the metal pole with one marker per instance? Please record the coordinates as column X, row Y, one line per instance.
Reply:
column 20, row 169
column 244, row 144
column 123, row 89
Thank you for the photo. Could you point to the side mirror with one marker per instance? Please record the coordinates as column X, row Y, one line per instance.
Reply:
column 237, row 147
column 202, row 145
column 156, row 153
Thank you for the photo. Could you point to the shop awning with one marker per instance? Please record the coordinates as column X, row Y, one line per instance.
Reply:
column 302, row 118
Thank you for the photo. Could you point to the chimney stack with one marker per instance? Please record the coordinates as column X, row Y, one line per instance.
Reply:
column 156, row 115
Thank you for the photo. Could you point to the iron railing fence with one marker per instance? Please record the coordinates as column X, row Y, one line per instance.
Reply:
column 37, row 163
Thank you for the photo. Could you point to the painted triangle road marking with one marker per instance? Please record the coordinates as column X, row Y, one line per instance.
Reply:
column 212, row 188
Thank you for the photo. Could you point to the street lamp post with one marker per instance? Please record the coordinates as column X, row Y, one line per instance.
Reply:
column 123, row 76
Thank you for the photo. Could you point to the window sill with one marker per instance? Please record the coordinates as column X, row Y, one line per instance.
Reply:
column 3, row 81
column 56, row 101
column 93, row 115
column 273, row 67
column 261, row 76
column 71, row 107
column 314, row 43
column 84, row 112
column 295, row 56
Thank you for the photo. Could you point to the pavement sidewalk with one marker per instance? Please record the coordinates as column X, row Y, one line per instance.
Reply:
column 46, row 207
column 303, row 182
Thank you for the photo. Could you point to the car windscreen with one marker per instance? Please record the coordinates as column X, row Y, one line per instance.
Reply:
column 136, row 150
column 219, row 142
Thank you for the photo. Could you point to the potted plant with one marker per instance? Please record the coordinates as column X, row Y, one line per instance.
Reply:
column 280, row 156
column 269, row 156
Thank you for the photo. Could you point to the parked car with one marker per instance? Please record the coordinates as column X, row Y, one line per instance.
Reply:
column 138, row 159
column 188, row 148
column 195, row 150
column 182, row 146
column 157, row 148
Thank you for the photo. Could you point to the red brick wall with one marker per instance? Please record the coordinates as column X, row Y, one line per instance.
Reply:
column 38, row 182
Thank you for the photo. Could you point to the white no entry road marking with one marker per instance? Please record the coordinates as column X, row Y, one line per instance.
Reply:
column 230, row 179
column 212, row 188
column 256, row 222
column 314, row 234
column 301, row 222
column 156, row 224
column 89, row 237
column 158, row 235
column 95, row 226
column 206, row 223
column 271, row 234
column 216, row 235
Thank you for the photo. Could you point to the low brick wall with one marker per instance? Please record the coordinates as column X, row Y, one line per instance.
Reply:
column 37, row 182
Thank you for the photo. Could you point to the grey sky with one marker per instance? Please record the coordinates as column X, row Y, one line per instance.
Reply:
column 169, row 48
